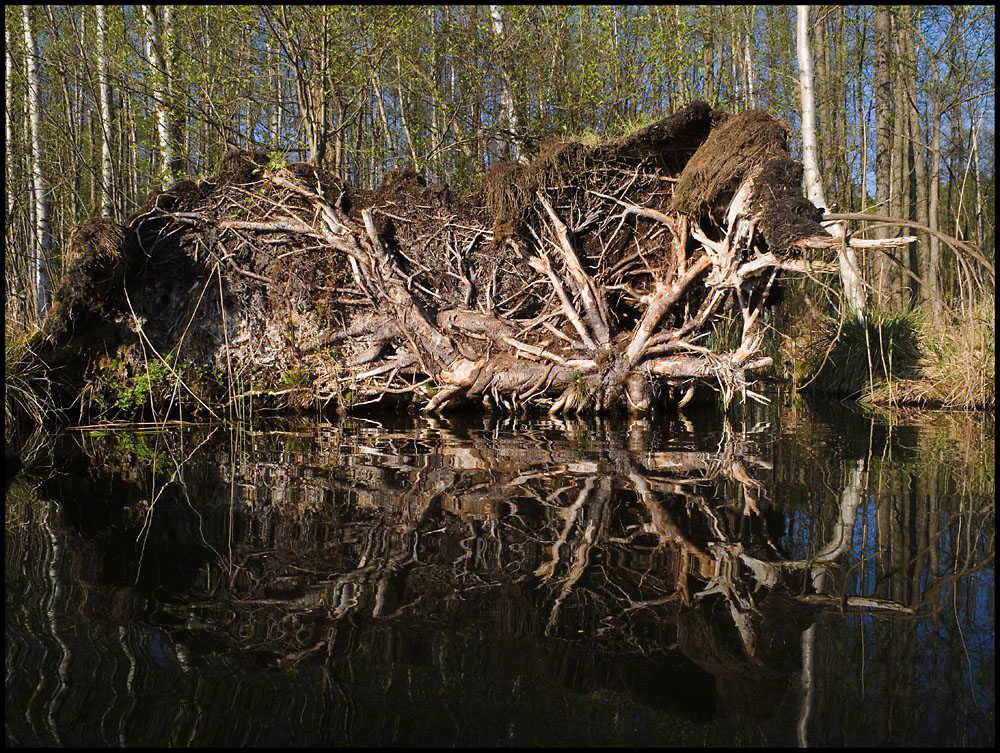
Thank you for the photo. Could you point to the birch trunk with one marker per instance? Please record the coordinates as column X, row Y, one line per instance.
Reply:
column 506, row 100
column 8, row 123
column 154, row 53
column 176, row 125
column 104, row 109
column 39, row 186
column 849, row 274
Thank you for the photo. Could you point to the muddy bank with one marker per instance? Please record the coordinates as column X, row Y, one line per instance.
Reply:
column 586, row 281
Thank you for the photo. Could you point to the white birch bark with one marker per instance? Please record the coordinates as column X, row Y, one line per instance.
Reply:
column 850, row 276
column 8, row 123
column 176, row 121
column 153, row 39
column 104, row 103
column 39, row 186
column 506, row 100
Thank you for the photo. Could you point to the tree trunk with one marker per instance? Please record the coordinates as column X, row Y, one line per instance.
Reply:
column 158, row 69
column 708, row 54
column 824, row 129
column 105, row 114
column 176, row 119
column 511, row 122
column 934, row 261
column 883, row 110
column 39, row 185
column 274, row 104
column 8, row 122
column 917, row 182
column 854, row 293
column 402, row 112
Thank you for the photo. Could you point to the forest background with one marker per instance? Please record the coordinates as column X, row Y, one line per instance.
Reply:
column 106, row 103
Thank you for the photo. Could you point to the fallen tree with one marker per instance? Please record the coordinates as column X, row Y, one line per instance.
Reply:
column 587, row 280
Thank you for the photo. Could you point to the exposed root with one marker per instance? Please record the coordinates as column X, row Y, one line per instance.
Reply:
column 580, row 287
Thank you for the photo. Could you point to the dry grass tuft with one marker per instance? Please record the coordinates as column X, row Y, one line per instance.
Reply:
column 957, row 368
column 27, row 387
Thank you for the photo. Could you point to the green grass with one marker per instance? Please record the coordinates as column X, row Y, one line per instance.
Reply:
column 902, row 358
column 849, row 359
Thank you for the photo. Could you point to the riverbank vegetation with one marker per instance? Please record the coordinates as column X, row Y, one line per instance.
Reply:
column 106, row 104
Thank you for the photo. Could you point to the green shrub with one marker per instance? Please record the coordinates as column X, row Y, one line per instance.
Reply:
column 131, row 393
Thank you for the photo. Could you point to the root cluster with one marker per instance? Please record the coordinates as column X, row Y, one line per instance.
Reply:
column 588, row 280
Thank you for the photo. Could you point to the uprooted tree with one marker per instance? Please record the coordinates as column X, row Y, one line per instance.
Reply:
column 585, row 280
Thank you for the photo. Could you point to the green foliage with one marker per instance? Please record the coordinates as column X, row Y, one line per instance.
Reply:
column 276, row 161
column 859, row 354
column 131, row 393
column 297, row 378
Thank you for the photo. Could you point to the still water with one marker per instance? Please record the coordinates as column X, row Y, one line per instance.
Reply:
column 799, row 575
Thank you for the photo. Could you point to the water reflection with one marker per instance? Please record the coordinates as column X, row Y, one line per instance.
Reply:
column 786, row 578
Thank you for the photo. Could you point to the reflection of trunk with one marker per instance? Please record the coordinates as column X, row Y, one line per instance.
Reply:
column 53, row 611
column 841, row 538
column 806, row 683
column 840, row 542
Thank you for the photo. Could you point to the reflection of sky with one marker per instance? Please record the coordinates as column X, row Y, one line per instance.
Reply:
column 937, row 670
column 949, row 675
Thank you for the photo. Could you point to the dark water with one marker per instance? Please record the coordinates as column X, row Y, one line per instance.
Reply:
column 793, row 576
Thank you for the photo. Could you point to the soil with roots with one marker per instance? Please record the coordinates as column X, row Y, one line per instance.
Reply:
column 586, row 281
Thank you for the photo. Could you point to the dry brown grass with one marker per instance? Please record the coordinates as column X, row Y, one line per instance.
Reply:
column 957, row 368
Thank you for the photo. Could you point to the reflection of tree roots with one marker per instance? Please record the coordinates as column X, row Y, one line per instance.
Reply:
column 551, row 535
column 566, row 541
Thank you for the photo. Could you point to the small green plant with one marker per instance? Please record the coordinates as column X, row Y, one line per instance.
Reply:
column 580, row 385
column 131, row 393
column 297, row 378
column 276, row 161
